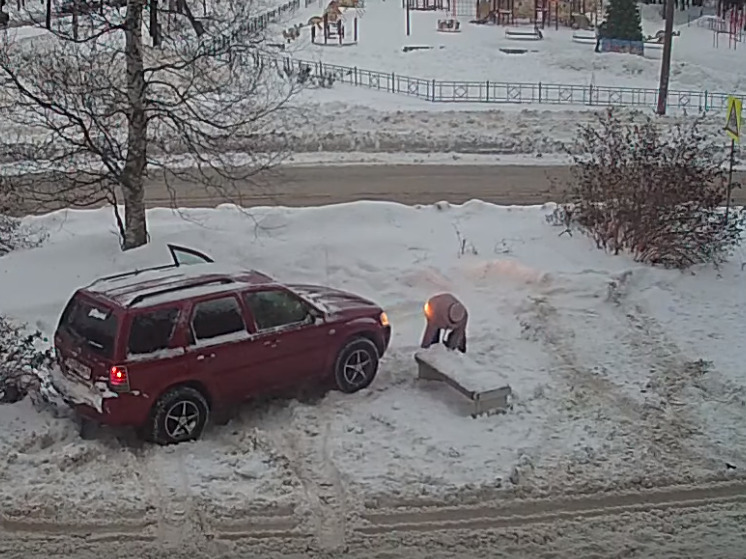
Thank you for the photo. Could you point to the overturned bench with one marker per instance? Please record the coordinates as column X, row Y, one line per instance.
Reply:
column 486, row 390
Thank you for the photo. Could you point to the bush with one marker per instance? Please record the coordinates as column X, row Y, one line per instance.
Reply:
column 21, row 358
column 657, row 196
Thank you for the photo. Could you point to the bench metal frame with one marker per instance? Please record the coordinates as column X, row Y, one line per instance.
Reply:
column 488, row 401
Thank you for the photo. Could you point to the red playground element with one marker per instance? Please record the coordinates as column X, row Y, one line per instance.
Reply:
column 732, row 24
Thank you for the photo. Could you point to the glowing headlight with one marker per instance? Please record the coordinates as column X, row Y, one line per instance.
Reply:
column 384, row 319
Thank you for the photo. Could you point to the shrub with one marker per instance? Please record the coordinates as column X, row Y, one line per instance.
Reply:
column 657, row 196
column 21, row 358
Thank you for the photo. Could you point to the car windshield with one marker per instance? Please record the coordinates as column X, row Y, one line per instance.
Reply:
column 94, row 325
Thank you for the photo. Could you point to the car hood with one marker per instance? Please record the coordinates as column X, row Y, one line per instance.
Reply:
column 333, row 301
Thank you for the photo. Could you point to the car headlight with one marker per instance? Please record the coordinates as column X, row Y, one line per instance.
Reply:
column 384, row 319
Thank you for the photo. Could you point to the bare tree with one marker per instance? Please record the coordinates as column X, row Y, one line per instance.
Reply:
column 96, row 109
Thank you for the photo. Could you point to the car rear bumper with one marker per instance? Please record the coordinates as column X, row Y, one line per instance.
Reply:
column 95, row 403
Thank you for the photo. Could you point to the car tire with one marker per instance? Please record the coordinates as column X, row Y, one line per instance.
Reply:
column 180, row 415
column 356, row 365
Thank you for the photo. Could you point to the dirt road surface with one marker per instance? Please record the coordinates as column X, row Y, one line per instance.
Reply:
column 407, row 184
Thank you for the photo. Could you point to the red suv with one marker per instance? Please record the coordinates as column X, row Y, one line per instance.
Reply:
column 160, row 349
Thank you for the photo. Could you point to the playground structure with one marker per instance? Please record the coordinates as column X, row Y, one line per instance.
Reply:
column 655, row 42
column 449, row 25
column 732, row 24
column 427, row 5
column 578, row 14
column 292, row 33
column 329, row 28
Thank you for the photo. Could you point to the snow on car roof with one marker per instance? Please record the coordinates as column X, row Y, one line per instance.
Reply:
column 147, row 286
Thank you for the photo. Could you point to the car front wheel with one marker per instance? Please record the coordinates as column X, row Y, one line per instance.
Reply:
column 356, row 365
column 180, row 415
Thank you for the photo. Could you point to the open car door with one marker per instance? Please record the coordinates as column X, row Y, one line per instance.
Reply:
column 183, row 256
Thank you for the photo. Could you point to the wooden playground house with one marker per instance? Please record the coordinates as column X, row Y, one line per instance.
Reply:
column 540, row 13
column 513, row 12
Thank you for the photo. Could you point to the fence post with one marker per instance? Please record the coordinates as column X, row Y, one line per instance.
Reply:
column 590, row 94
column 355, row 74
column 707, row 105
column 393, row 81
column 487, row 92
column 434, row 82
column 539, row 92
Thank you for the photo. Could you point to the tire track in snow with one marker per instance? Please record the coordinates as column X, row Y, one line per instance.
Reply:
column 306, row 445
column 178, row 520
column 522, row 512
column 660, row 433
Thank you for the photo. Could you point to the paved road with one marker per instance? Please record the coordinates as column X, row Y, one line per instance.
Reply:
column 408, row 184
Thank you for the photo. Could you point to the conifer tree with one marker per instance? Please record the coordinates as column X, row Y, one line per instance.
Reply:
column 623, row 21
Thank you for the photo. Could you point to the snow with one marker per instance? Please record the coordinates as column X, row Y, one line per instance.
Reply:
column 77, row 392
column 623, row 376
column 214, row 286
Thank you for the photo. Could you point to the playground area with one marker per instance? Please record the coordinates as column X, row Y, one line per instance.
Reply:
column 513, row 41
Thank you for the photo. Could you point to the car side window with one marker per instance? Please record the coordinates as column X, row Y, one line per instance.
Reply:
column 217, row 317
column 151, row 331
column 274, row 309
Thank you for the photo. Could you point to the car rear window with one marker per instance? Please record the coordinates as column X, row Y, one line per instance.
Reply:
column 92, row 324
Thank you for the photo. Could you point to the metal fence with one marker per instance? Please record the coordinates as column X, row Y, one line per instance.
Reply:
column 447, row 91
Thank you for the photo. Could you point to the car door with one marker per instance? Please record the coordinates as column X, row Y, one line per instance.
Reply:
column 153, row 356
column 183, row 256
column 218, row 343
column 293, row 345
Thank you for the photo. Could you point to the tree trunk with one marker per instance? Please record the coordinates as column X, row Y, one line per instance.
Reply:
column 133, row 174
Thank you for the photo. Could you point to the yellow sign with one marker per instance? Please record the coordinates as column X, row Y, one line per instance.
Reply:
column 733, row 121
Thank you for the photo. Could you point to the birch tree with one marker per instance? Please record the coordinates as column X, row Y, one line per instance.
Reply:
column 90, row 107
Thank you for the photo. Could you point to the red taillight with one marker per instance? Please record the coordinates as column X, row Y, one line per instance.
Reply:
column 118, row 379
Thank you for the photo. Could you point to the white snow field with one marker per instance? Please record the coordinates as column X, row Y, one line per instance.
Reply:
column 629, row 388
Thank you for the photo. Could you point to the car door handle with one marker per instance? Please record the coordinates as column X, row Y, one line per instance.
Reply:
column 202, row 357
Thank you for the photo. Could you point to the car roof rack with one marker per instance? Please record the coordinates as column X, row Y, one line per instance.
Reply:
column 198, row 283
column 136, row 272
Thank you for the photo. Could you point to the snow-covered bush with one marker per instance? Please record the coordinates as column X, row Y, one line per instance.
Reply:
column 657, row 196
column 22, row 355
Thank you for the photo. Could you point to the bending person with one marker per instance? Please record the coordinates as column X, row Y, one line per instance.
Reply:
column 445, row 313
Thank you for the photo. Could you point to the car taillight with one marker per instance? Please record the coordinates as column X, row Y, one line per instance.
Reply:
column 118, row 379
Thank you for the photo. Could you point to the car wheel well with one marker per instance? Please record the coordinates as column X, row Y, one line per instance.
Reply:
column 368, row 335
column 195, row 384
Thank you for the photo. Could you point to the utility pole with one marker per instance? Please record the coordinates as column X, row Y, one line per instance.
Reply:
column 666, row 62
